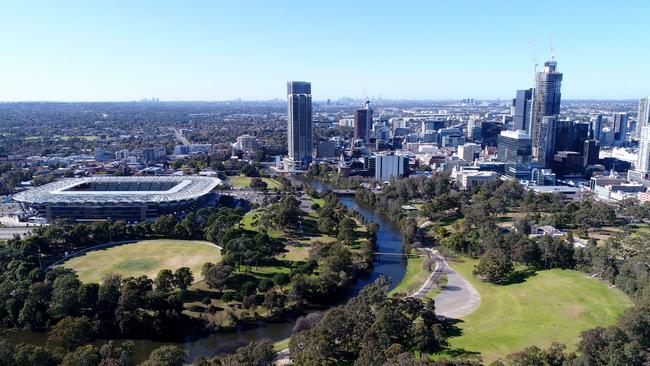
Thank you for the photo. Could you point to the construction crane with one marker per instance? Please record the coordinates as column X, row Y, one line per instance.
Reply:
column 532, row 52
column 550, row 46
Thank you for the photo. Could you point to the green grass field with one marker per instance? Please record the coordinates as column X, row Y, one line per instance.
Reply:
column 553, row 305
column 413, row 278
column 144, row 258
column 241, row 181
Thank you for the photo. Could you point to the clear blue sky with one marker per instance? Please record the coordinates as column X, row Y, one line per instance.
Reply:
column 218, row 50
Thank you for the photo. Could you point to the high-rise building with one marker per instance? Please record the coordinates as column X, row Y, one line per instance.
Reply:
column 570, row 135
column 299, row 129
column 546, row 102
column 514, row 150
column 597, row 125
column 643, row 162
column 643, row 115
column 523, row 108
column 390, row 164
column 514, row 147
column 469, row 152
column 620, row 127
column 363, row 122
column 546, row 141
column 590, row 152
column 607, row 136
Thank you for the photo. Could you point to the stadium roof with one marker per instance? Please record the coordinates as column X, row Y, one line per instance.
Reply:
column 110, row 189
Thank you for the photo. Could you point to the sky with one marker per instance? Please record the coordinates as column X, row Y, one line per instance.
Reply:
column 117, row 50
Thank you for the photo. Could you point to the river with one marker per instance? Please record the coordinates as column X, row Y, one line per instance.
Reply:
column 393, row 267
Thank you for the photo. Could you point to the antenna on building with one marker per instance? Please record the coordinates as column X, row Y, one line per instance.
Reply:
column 550, row 46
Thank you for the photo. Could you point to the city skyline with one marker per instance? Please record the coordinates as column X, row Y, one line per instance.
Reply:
column 221, row 51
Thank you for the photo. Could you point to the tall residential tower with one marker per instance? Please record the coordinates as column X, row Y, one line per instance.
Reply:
column 363, row 122
column 299, row 129
column 643, row 115
column 546, row 102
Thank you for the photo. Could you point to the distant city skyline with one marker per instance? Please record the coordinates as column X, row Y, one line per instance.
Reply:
column 212, row 51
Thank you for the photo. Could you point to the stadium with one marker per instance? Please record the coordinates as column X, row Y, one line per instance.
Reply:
column 132, row 199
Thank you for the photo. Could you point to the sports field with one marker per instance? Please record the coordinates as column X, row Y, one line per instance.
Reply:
column 240, row 181
column 551, row 305
column 144, row 258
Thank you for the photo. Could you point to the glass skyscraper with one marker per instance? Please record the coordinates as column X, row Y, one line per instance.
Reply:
column 299, row 129
column 523, row 109
column 546, row 102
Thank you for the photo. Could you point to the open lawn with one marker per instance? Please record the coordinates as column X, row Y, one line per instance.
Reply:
column 241, row 181
column 144, row 258
column 414, row 277
column 553, row 305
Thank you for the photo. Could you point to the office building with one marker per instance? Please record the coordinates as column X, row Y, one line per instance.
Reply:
column 468, row 178
column 363, row 122
column 546, row 102
column 122, row 154
column 597, row 125
column 432, row 125
column 571, row 135
column 390, row 164
column 514, row 147
column 607, row 136
column 568, row 163
column 247, row 142
column 643, row 115
column 469, row 152
column 326, row 149
column 546, row 141
column 522, row 110
column 620, row 128
column 299, row 129
column 591, row 152
column 514, row 150
column 643, row 162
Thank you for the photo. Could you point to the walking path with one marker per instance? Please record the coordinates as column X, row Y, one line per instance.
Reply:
column 458, row 297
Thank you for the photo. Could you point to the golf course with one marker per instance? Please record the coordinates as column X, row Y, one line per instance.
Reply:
column 551, row 305
column 145, row 257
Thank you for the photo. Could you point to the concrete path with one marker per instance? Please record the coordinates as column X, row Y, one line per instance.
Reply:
column 458, row 297
column 432, row 280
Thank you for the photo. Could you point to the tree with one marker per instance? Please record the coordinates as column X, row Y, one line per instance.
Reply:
column 216, row 275
column 70, row 333
column 259, row 353
column 258, row 184
column 88, row 295
column 87, row 355
column 495, row 266
column 346, row 232
column 165, row 356
column 113, row 355
column 164, row 225
column 183, row 278
column 31, row 355
column 7, row 350
column 65, row 300
column 164, row 281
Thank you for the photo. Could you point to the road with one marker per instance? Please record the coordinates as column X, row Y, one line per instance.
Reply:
column 180, row 137
column 7, row 233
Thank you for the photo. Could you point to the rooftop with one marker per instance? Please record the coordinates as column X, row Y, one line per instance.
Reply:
column 110, row 189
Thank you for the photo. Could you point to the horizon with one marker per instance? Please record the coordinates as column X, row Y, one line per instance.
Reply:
column 205, row 51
